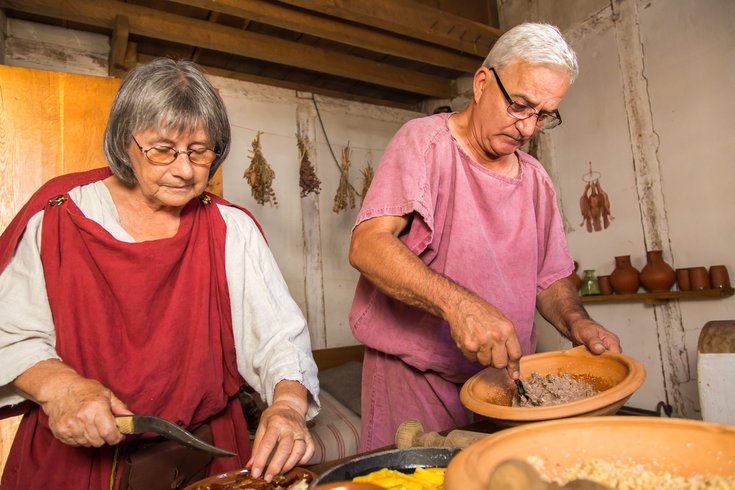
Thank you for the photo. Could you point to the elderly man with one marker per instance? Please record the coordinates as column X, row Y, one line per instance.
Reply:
column 459, row 240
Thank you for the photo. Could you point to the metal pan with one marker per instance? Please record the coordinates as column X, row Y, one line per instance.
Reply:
column 406, row 460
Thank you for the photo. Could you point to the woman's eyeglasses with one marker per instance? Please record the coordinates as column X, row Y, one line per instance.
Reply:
column 165, row 155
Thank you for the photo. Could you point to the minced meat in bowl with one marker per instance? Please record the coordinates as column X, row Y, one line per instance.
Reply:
column 552, row 389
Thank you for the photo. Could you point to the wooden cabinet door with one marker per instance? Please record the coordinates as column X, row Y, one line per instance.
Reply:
column 50, row 124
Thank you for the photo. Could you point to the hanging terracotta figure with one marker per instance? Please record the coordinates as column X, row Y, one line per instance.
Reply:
column 584, row 207
column 605, row 203
column 594, row 203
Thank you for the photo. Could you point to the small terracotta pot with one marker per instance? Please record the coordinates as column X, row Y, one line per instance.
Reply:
column 625, row 279
column 682, row 279
column 698, row 278
column 604, row 284
column 657, row 276
column 718, row 277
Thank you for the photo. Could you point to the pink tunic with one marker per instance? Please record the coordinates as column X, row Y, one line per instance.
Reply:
column 497, row 236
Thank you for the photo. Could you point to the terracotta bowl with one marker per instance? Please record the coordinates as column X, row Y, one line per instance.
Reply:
column 617, row 376
column 679, row 446
column 232, row 476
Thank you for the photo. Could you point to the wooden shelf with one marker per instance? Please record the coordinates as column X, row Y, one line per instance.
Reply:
column 659, row 298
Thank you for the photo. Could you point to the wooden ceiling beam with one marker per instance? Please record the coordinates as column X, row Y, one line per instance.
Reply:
column 118, row 45
column 347, row 33
column 410, row 19
column 295, row 86
column 152, row 23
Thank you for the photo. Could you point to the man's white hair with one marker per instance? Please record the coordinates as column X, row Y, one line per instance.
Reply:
column 536, row 44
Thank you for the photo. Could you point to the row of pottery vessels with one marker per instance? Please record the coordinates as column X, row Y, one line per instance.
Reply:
column 656, row 277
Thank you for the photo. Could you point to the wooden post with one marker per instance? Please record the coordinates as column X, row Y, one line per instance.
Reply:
column 311, row 231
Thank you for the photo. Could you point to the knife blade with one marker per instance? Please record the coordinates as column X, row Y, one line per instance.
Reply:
column 138, row 424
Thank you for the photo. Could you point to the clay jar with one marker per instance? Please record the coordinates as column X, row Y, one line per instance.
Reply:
column 657, row 276
column 718, row 277
column 698, row 278
column 624, row 278
column 604, row 283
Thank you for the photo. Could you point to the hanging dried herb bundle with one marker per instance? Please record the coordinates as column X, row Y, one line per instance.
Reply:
column 308, row 180
column 367, row 179
column 345, row 193
column 260, row 175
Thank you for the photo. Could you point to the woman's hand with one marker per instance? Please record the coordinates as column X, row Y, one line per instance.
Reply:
column 282, row 432
column 80, row 410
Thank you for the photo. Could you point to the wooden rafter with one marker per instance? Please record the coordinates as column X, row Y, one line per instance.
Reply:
column 334, row 30
column 119, row 45
column 297, row 86
column 410, row 19
column 148, row 22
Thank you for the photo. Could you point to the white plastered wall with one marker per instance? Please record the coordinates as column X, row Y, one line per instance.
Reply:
column 651, row 111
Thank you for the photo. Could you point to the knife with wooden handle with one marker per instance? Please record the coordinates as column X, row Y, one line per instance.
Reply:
column 138, row 424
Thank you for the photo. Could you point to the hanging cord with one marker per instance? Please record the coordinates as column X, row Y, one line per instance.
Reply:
column 329, row 145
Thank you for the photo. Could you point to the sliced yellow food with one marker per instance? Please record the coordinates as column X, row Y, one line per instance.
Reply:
column 420, row 479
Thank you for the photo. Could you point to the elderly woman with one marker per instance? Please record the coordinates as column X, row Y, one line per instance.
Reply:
column 130, row 290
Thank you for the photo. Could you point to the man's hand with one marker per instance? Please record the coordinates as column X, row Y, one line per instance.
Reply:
column 593, row 335
column 485, row 335
column 561, row 305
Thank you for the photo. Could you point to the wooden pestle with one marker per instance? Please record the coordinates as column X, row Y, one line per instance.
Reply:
column 411, row 434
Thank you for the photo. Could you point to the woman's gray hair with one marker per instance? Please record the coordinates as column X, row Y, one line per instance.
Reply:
column 536, row 44
column 165, row 94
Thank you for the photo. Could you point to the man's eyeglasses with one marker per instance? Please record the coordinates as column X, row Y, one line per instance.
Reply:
column 165, row 155
column 544, row 120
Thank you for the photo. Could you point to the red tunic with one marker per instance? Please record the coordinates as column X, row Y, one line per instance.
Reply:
column 150, row 320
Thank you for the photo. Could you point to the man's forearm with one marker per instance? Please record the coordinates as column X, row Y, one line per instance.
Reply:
column 561, row 305
column 397, row 272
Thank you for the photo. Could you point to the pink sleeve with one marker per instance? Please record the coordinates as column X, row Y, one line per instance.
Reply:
column 400, row 186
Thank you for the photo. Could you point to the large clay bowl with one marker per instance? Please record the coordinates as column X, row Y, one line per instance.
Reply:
column 406, row 460
column 617, row 376
column 678, row 446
